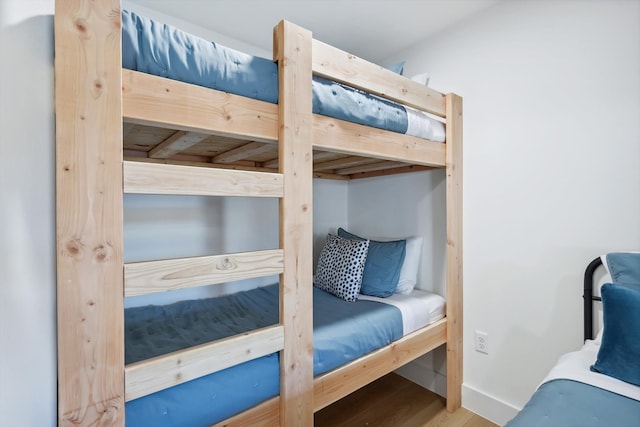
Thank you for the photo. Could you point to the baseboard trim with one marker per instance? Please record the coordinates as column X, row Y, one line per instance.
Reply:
column 489, row 407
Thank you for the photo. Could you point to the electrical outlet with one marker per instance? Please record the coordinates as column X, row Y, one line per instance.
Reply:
column 482, row 342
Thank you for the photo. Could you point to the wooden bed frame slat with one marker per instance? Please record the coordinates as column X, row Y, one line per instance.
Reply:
column 176, row 143
column 338, row 65
column 165, row 371
column 371, row 167
column 142, row 278
column 150, row 178
column 243, row 152
column 156, row 101
column 344, row 162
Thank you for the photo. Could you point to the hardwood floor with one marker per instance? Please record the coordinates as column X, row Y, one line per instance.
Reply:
column 393, row 401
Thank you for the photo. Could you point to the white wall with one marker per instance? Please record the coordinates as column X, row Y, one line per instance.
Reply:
column 400, row 206
column 551, row 99
column 551, row 179
column 405, row 205
column 27, row 264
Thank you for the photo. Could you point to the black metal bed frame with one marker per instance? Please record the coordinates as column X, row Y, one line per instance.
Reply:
column 589, row 298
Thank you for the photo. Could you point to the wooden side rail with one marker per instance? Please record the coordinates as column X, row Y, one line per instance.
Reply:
column 157, row 101
column 345, row 380
column 159, row 373
column 342, row 381
column 152, row 178
column 351, row 138
column 148, row 277
column 338, row 65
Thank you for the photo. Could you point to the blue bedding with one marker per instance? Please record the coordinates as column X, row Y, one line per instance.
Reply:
column 343, row 331
column 569, row 403
column 165, row 51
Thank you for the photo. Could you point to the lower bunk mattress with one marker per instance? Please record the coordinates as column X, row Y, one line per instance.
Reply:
column 343, row 331
column 154, row 48
column 573, row 396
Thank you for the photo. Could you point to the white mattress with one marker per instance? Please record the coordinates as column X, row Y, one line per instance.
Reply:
column 421, row 125
column 575, row 366
column 419, row 308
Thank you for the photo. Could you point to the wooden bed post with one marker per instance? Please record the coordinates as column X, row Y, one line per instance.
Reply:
column 454, row 251
column 292, row 51
column 89, row 213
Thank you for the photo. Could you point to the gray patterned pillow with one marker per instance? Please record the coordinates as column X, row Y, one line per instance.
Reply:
column 340, row 267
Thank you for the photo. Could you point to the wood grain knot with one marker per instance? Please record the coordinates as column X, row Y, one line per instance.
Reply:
column 81, row 26
column 102, row 253
column 226, row 264
column 74, row 248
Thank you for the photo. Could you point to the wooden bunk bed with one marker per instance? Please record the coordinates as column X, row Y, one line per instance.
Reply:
column 120, row 131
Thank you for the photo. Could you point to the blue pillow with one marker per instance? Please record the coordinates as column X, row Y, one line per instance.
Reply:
column 397, row 68
column 382, row 267
column 619, row 354
column 624, row 268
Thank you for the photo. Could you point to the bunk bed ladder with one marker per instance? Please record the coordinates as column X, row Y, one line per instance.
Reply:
column 91, row 179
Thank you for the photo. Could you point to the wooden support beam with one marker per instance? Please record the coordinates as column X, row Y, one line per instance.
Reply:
column 454, row 251
column 89, row 217
column 292, row 51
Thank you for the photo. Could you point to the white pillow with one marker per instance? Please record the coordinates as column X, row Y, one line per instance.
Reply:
column 409, row 270
column 421, row 78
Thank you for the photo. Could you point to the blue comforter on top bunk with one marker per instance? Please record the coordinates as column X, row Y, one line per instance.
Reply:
column 165, row 51
column 343, row 331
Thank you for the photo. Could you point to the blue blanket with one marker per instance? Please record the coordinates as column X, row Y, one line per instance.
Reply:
column 165, row 51
column 343, row 331
column 569, row 403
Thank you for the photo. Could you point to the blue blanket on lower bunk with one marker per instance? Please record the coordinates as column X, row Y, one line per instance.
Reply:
column 343, row 331
column 165, row 51
column 569, row 403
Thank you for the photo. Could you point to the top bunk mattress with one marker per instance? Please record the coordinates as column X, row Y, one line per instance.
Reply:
column 162, row 50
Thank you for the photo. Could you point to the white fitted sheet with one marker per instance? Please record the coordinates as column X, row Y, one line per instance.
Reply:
column 419, row 308
column 575, row 366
